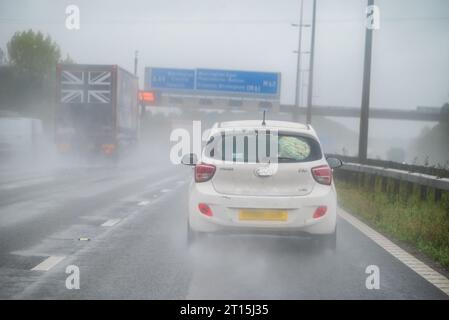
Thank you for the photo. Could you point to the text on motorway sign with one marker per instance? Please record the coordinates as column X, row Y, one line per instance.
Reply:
column 161, row 78
column 237, row 81
column 213, row 81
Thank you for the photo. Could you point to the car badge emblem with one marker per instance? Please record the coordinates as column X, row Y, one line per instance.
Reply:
column 264, row 171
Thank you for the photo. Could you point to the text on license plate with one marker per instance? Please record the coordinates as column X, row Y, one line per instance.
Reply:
column 263, row 215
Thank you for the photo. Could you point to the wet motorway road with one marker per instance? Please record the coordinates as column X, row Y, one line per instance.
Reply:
column 126, row 231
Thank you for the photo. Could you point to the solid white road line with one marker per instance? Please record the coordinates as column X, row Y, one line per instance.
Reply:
column 434, row 277
column 110, row 222
column 48, row 263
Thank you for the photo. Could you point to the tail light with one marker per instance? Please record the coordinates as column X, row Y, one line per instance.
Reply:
column 205, row 209
column 204, row 172
column 63, row 147
column 322, row 174
column 319, row 212
column 108, row 148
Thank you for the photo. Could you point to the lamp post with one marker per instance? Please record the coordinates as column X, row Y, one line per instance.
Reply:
column 136, row 53
column 312, row 51
column 300, row 25
column 364, row 112
column 298, row 65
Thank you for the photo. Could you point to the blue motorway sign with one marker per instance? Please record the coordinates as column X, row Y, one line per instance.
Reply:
column 237, row 81
column 162, row 78
column 213, row 81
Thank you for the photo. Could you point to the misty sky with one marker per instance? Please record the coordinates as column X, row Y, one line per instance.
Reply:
column 410, row 51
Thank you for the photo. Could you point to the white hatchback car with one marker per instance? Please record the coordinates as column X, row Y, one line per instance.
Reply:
column 263, row 177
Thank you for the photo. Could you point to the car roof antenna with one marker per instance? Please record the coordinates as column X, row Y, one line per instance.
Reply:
column 263, row 121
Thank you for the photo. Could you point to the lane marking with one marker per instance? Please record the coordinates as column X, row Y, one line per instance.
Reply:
column 143, row 203
column 48, row 263
column 110, row 222
column 27, row 183
column 165, row 190
column 432, row 276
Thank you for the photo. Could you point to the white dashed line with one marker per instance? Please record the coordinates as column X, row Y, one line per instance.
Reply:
column 143, row 203
column 48, row 263
column 165, row 190
column 434, row 277
column 28, row 183
column 110, row 222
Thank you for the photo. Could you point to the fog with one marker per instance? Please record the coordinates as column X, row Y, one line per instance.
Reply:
column 88, row 181
column 409, row 66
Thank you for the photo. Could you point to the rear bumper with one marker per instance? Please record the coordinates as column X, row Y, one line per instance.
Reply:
column 226, row 208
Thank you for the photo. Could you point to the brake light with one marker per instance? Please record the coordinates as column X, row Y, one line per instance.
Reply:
column 322, row 174
column 63, row 147
column 108, row 148
column 205, row 209
column 204, row 172
column 319, row 212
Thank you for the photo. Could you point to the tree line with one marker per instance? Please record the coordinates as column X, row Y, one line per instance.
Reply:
column 27, row 75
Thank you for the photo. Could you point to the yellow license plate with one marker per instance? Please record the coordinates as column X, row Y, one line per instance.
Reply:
column 263, row 215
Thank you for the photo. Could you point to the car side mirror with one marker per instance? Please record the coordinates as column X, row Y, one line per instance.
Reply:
column 334, row 162
column 189, row 159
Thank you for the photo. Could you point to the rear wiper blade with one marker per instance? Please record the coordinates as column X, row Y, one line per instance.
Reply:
column 287, row 159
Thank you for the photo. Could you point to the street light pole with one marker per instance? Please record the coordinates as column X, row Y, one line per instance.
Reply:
column 135, row 62
column 312, row 52
column 298, row 65
column 364, row 112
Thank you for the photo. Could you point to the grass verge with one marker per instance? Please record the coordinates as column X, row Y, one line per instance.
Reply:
column 402, row 215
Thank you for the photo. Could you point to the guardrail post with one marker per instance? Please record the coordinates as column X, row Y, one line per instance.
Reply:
column 437, row 195
column 397, row 184
column 384, row 184
column 347, row 177
column 354, row 177
column 372, row 182
column 423, row 192
column 409, row 192
column 361, row 179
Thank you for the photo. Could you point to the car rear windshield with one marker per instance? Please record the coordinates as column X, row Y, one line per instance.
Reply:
column 263, row 147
